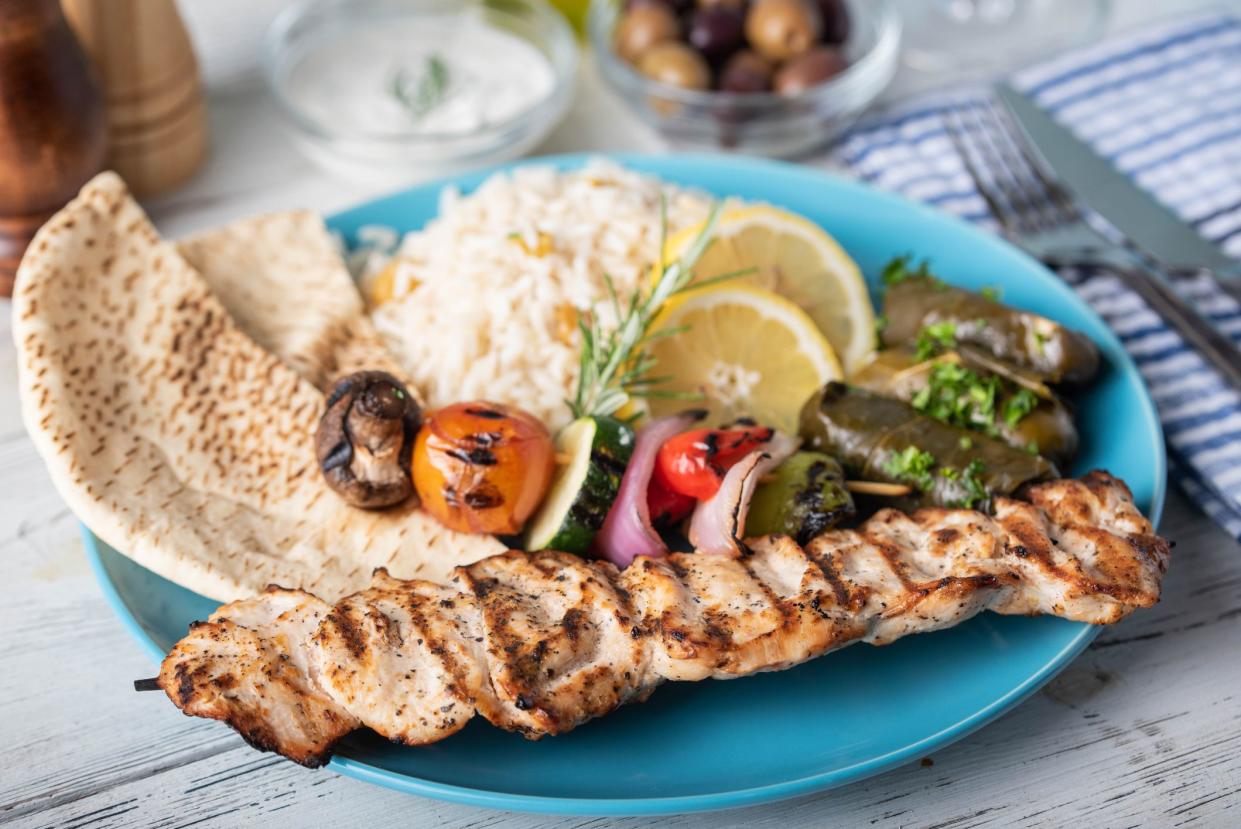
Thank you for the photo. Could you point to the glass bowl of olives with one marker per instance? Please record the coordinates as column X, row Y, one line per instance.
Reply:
column 767, row 77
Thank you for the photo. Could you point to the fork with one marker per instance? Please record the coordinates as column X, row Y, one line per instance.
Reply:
column 1039, row 213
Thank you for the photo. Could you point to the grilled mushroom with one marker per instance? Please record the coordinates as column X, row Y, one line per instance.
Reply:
column 365, row 439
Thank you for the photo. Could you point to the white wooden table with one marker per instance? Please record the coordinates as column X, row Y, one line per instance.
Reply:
column 1144, row 729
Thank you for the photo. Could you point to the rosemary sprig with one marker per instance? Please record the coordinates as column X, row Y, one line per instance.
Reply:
column 615, row 364
column 424, row 93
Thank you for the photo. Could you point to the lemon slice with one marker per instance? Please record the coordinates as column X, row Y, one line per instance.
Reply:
column 797, row 259
column 748, row 352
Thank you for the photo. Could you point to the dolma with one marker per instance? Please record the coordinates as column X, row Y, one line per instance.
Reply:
column 880, row 438
column 918, row 304
column 955, row 389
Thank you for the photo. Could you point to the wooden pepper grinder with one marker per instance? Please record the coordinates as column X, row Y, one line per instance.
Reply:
column 53, row 134
column 157, row 118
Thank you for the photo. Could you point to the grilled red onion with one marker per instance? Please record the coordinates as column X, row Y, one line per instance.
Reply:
column 718, row 522
column 627, row 532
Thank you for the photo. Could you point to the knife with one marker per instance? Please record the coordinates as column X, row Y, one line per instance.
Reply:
column 1129, row 208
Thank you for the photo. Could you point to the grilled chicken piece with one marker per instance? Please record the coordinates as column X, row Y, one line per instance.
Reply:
column 559, row 643
column 711, row 616
column 250, row 665
column 539, row 643
column 403, row 656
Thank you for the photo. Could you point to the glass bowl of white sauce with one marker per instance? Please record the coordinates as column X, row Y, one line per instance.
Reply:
column 387, row 91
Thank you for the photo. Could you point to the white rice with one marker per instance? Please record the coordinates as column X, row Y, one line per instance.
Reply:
column 479, row 317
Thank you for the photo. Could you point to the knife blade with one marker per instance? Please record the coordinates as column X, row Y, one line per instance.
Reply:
column 1130, row 209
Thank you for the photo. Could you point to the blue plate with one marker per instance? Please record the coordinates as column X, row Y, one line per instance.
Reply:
column 714, row 745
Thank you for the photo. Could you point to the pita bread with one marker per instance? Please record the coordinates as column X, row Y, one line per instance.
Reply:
column 178, row 439
column 283, row 282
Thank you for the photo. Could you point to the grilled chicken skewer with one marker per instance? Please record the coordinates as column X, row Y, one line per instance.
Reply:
column 540, row 643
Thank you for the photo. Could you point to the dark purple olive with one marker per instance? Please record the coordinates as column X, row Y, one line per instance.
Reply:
column 810, row 69
column 642, row 27
column 782, row 29
column 717, row 31
column 835, row 21
column 745, row 71
column 739, row 5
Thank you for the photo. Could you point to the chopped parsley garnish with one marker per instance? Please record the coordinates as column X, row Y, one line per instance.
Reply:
column 934, row 338
column 960, row 396
column 1032, row 447
column 913, row 466
column 1018, row 406
column 918, row 467
column 991, row 292
column 881, row 322
column 966, row 442
column 901, row 268
column 976, row 494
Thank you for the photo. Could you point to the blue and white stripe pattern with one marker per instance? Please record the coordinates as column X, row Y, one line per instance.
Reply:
column 1164, row 104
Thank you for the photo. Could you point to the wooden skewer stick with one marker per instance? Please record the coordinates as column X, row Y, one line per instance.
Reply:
column 878, row 488
column 862, row 487
column 151, row 684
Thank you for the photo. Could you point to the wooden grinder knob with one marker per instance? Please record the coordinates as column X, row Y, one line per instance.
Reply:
column 53, row 136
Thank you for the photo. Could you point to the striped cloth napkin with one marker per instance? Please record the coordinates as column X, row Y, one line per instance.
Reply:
column 1164, row 104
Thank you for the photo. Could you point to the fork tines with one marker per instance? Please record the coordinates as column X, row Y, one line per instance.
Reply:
column 1021, row 195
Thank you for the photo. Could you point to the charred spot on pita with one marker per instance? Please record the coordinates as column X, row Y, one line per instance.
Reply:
column 365, row 438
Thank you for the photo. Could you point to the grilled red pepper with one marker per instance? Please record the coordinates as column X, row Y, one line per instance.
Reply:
column 694, row 463
column 667, row 507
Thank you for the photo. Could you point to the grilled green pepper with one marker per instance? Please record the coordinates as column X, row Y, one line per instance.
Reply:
column 954, row 389
column 924, row 313
column 880, row 438
column 806, row 496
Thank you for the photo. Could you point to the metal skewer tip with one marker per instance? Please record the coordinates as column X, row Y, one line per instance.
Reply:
column 151, row 684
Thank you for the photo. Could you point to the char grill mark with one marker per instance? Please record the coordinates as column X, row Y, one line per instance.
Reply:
column 539, row 643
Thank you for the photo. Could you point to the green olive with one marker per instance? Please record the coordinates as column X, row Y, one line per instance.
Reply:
column 783, row 29
column 810, row 69
column 676, row 65
column 644, row 26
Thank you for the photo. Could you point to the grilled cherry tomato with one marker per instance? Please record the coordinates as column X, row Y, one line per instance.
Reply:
column 694, row 463
column 482, row 467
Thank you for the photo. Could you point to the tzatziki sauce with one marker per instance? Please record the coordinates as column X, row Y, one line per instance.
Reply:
column 451, row 73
